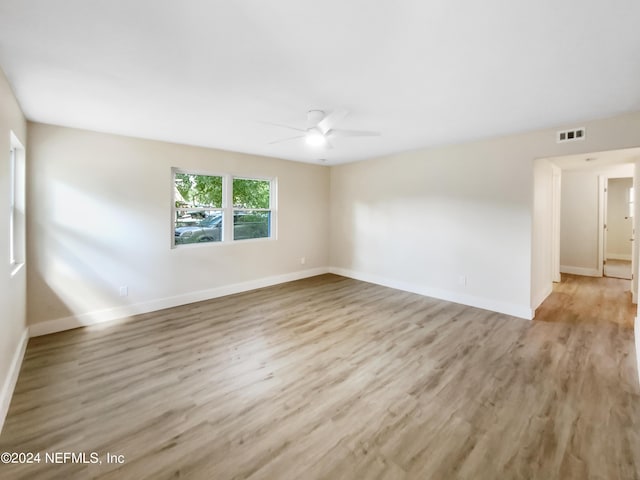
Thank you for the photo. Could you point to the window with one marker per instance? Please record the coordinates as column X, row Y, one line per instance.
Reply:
column 16, row 203
column 251, row 208
column 12, row 205
column 198, row 208
column 221, row 208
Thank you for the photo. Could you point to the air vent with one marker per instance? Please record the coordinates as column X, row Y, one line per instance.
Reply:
column 570, row 135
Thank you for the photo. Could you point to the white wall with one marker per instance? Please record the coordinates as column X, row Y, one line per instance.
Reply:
column 12, row 287
column 619, row 223
column 453, row 222
column 579, row 231
column 580, row 234
column 541, row 255
column 100, row 219
column 421, row 220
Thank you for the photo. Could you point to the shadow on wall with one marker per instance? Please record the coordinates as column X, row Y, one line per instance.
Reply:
column 78, row 252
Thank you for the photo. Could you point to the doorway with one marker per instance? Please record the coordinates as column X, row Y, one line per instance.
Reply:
column 570, row 196
column 618, row 228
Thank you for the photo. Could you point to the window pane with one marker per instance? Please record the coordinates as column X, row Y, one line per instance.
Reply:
column 12, row 206
column 197, row 226
column 251, row 193
column 198, row 190
column 251, row 224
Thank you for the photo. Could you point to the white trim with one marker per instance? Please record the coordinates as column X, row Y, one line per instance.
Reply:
column 519, row 311
column 634, row 243
column 603, row 185
column 12, row 203
column 12, row 377
column 122, row 313
column 17, row 180
column 587, row 272
column 619, row 256
column 16, row 267
column 637, row 335
column 541, row 298
column 556, row 198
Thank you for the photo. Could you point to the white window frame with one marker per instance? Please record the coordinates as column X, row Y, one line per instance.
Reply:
column 12, row 206
column 174, row 209
column 227, row 207
column 272, row 204
column 16, row 204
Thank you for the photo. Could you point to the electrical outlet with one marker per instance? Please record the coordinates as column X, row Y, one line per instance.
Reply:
column 462, row 280
column 303, row 260
column 124, row 291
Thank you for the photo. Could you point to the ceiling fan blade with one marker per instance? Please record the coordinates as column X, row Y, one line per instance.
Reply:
column 284, row 126
column 314, row 117
column 328, row 122
column 351, row 133
column 286, row 139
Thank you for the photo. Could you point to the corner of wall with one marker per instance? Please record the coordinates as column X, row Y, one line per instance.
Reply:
column 540, row 298
column 122, row 313
column 12, row 378
column 519, row 311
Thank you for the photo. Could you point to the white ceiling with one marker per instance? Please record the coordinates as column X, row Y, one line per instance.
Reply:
column 421, row 72
column 599, row 160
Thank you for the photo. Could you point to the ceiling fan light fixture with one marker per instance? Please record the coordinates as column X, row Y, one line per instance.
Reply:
column 315, row 139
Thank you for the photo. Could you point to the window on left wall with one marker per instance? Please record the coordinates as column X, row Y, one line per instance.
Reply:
column 16, row 203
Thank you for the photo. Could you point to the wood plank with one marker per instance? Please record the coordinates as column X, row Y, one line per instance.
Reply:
column 330, row 378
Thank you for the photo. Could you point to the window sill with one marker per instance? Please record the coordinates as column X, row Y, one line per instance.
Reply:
column 15, row 268
column 232, row 242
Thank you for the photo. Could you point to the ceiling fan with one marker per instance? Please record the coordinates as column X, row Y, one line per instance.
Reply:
column 320, row 129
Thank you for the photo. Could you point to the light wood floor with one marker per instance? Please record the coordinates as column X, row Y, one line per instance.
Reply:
column 331, row 378
column 581, row 300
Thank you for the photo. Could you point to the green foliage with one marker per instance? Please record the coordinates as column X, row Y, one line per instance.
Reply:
column 251, row 193
column 200, row 190
column 206, row 191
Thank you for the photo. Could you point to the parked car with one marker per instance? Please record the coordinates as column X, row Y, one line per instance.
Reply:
column 245, row 225
column 250, row 225
column 190, row 218
column 208, row 230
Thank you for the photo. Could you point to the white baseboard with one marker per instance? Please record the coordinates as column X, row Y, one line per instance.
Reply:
column 587, row 272
column 12, row 377
column 636, row 333
column 541, row 297
column 100, row 316
column 519, row 311
column 619, row 256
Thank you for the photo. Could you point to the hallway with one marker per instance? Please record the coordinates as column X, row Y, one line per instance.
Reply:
column 587, row 300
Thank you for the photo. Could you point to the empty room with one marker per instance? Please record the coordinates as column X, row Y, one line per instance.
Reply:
column 319, row 240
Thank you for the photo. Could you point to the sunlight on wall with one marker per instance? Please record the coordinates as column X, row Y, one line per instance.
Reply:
column 434, row 240
column 83, row 226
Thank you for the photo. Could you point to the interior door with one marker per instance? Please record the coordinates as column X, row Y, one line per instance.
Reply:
column 618, row 240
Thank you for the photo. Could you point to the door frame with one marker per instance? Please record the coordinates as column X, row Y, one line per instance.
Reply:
column 556, row 195
column 603, row 183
